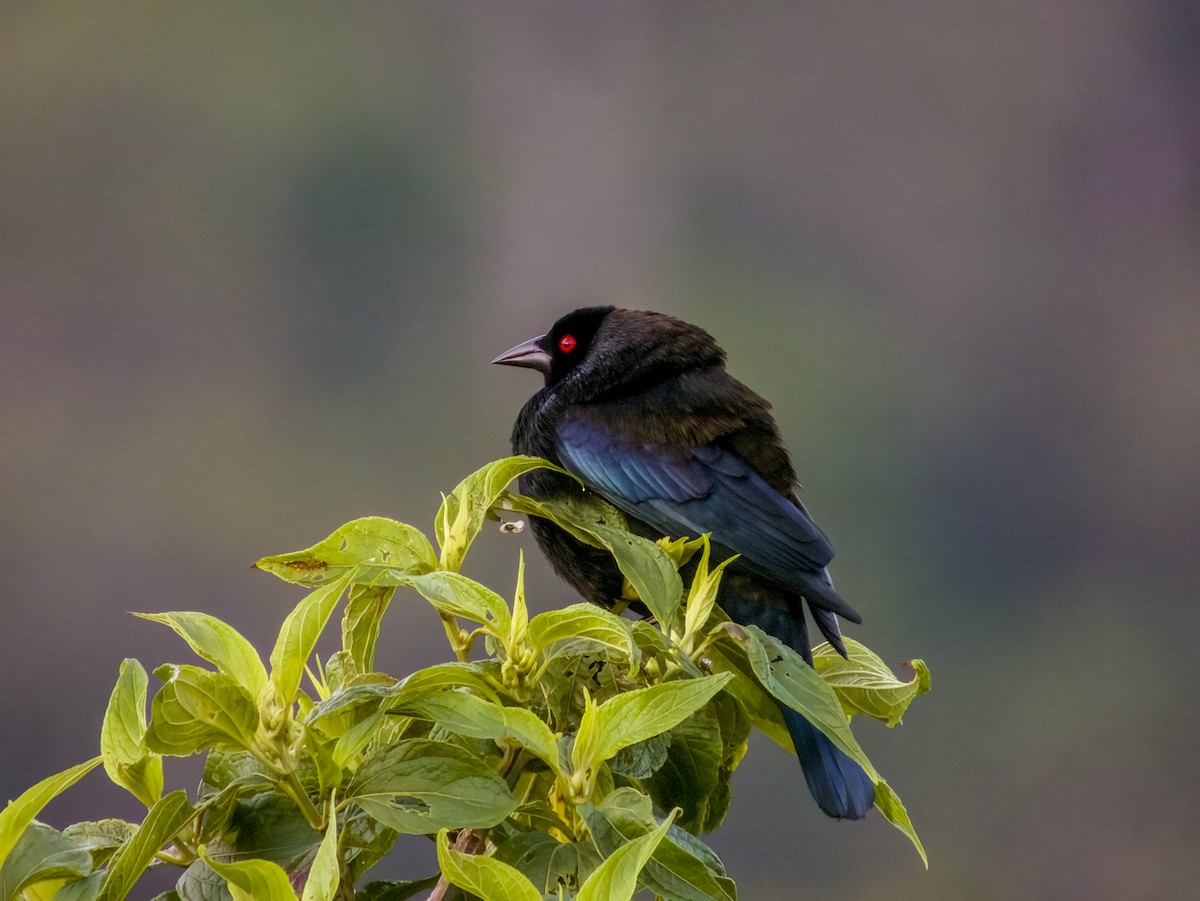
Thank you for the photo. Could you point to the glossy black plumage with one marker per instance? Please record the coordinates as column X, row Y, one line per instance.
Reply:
column 639, row 406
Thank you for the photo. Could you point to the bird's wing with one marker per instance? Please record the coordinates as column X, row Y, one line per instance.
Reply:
column 693, row 490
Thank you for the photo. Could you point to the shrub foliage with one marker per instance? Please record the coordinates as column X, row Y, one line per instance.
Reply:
column 579, row 755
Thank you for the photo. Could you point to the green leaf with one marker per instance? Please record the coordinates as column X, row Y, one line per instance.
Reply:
column 419, row 786
column 40, row 855
column 643, row 759
column 395, row 890
column 339, row 668
column 727, row 656
column 783, row 673
column 354, row 740
column 101, row 837
column 485, row 877
column 299, row 635
column 787, row 677
column 365, row 607
column 162, row 823
column 200, row 882
column 536, row 813
column 373, row 550
column 20, row 813
column 474, row 717
column 617, row 878
column 347, row 708
column 682, row 550
column 127, row 760
column 734, row 724
column 270, row 825
column 542, row 859
column 587, row 622
column 197, row 710
column 218, row 809
column 463, row 511
column 223, row 770
column 692, row 770
column 682, row 867
column 218, row 643
column 471, row 676
column 253, row 880
column 647, row 566
column 348, row 705
column 518, row 629
column 864, row 684
column 325, row 874
column 702, row 596
column 316, row 760
column 455, row 594
column 82, row 889
column 888, row 803
column 637, row 715
column 650, row 641
column 364, row 843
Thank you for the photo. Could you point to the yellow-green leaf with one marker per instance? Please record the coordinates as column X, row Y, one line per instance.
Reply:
column 43, row 859
column 373, row 550
column 764, row 712
column 218, row 643
column 647, row 567
column 702, row 595
column 482, row 876
column 365, row 607
column 253, row 880
column 682, row 867
column 888, row 803
column 617, row 878
column 455, row 594
column 518, row 629
column 324, row 875
column 464, row 510
column 637, row 715
column 418, row 786
column 584, row 622
column 474, row 717
column 865, row 684
column 196, row 710
column 162, row 823
column 19, row 813
column 789, row 679
column 792, row 681
column 127, row 760
column 299, row 635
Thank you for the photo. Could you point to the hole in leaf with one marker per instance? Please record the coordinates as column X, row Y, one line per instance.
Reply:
column 413, row 804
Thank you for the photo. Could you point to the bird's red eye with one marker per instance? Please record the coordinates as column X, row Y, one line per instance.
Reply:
column 567, row 343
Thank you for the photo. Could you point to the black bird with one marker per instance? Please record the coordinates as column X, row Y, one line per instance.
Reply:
column 639, row 406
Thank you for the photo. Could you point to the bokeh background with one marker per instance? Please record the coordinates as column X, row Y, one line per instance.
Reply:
column 255, row 258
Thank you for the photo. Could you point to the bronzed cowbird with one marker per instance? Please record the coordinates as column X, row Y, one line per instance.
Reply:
column 639, row 406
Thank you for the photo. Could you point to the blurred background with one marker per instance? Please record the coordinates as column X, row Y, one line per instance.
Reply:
column 255, row 260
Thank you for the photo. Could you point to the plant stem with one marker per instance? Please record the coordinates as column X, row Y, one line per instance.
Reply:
column 178, row 860
column 286, row 770
column 297, row 793
column 453, row 635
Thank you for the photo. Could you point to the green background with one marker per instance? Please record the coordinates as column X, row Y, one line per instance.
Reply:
column 255, row 258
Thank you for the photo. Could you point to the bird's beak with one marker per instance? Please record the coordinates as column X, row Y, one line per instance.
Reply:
column 529, row 355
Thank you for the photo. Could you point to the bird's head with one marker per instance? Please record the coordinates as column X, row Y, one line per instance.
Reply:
column 593, row 350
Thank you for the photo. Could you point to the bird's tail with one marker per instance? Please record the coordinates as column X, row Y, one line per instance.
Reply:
column 840, row 786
